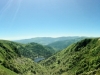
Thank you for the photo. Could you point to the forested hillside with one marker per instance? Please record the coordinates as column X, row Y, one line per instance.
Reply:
column 60, row 45
column 33, row 50
column 13, row 63
column 81, row 58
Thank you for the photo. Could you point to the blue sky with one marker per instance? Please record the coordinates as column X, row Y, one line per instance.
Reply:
column 20, row 19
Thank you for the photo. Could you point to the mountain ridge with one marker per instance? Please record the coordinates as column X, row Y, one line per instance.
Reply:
column 46, row 40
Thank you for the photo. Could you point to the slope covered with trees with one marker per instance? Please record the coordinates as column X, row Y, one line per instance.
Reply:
column 60, row 45
column 33, row 50
column 81, row 58
column 12, row 62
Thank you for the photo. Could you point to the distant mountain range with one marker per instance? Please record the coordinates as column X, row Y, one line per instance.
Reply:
column 46, row 40
column 56, row 43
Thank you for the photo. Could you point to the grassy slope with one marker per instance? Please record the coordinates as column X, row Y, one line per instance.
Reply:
column 5, row 71
column 12, row 60
column 6, row 53
column 82, row 58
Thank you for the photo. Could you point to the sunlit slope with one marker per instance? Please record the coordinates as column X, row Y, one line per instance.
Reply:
column 13, row 63
column 81, row 58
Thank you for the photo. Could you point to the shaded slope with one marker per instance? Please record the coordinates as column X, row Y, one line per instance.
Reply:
column 82, row 58
column 33, row 50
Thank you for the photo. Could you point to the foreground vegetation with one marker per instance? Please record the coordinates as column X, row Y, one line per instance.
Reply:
column 13, row 63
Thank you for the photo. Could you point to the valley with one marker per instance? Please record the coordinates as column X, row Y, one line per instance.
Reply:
column 80, row 58
column 49, row 37
column 37, row 59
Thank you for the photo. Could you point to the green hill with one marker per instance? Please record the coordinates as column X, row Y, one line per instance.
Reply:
column 13, row 63
column 6, row 54
column 81, row 58
column 60, row 45
column 33, row 50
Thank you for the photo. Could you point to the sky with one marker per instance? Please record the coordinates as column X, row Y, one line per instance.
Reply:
column 20, row 19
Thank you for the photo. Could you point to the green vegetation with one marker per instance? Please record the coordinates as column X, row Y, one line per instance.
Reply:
column 5, row 71
column 33, row 50
column 60, row 45
column 13, row 63
column 81, row 58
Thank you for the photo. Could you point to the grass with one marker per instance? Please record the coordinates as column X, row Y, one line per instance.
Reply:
column 5, row 71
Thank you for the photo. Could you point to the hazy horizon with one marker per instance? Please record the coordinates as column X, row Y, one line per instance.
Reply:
column 12, row 39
